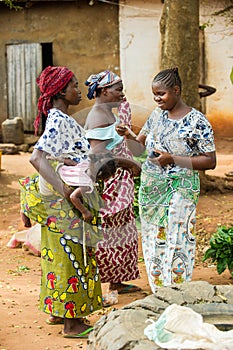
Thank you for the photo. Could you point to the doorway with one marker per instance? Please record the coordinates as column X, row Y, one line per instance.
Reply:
column 24, row 63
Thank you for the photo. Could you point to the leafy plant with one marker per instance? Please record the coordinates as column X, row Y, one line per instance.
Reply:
column 231, row 75
column 11, row 5
column 221, row 249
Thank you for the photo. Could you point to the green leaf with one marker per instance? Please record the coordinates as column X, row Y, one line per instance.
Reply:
column 23, row 268
column 210, row 253
column 231, row 75
column 221, row 249
column 221, row 266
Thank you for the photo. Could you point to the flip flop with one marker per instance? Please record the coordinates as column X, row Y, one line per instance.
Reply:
column 52, row 323
column 83, row 334
column 230, row 174
column 129, row 288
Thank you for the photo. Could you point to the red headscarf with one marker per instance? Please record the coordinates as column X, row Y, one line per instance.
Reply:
column 51, row 81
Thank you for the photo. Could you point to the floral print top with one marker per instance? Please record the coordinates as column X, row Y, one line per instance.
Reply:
column 63, row 136
column 188, row 136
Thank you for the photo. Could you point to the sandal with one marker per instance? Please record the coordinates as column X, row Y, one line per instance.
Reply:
column 230, row 174
column 129, row 288
column 83, row 334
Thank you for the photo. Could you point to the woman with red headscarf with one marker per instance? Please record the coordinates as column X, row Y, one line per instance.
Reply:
column 70, row 284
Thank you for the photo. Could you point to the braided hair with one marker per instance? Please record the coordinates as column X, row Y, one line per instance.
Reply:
column 168, row 77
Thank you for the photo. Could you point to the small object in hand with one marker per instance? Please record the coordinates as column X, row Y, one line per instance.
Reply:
column 154, row 154
column 129, row 130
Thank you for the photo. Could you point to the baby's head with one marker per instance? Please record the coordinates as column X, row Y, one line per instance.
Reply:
column 102, row 166
column 106, row 170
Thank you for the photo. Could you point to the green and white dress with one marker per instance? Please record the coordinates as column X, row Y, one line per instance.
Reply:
column 168, row 196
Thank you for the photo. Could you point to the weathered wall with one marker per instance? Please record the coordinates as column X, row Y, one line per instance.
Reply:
column 219, row 62
column 140, row 53
column 85, row 38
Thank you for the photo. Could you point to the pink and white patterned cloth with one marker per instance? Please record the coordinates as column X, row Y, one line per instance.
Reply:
column 76, row 175
column 117, row 253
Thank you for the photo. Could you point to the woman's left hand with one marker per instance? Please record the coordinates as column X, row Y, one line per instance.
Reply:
column 161, row 158
column 136, row 169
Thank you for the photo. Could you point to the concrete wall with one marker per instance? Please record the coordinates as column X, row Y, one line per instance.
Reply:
column 219, row 62
column 140, row 52
column 85, row 38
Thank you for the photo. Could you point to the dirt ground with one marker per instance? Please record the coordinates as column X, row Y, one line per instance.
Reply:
column 22, row 326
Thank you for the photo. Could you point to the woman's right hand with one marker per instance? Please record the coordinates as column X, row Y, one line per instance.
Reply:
column 122, row 130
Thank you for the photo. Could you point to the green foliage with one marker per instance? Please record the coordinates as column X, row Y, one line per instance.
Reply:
column 205, row 25
column 223, row 10
column 140, row 159
column 221, row 249
column 136, row 190
column 11, row 5
column 231, row 75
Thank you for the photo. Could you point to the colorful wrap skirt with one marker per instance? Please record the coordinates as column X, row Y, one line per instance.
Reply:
column 167, row 212
column 117, row 253
column 70, row 282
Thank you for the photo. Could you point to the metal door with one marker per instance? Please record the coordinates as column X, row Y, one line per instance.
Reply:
column 24, row 64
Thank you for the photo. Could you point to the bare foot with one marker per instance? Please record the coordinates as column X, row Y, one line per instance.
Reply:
column 53, row 320
column 75, row 326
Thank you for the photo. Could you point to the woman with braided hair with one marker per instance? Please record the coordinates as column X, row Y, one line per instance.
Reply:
column 179, row 141
column 70, row 282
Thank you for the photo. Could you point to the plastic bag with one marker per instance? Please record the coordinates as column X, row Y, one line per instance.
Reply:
column 180, row 327
column 110, row 298
column 29, row 240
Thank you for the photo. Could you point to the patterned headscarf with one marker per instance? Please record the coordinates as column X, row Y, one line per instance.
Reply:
column 100, row 80
column 51, row 81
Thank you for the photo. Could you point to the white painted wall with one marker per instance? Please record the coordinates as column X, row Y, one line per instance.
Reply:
column 139, row 52
column 219, row 58
column 140, row 56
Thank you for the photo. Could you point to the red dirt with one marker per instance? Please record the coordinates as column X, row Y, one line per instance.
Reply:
column 23, row 326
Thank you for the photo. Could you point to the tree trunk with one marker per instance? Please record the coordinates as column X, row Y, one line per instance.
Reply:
column 179, row 27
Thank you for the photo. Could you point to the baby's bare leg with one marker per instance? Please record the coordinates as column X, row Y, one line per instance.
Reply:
column 75, row 198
